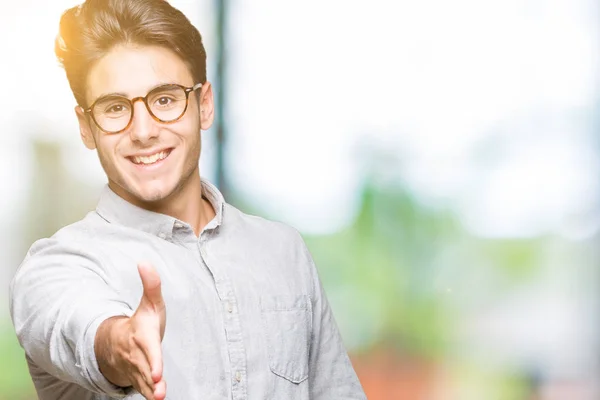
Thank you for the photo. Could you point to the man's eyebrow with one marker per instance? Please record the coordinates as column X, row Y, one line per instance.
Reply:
column 105, row 95
column 121, row 94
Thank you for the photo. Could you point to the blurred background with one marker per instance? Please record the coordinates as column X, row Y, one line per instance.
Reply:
column 440, row 158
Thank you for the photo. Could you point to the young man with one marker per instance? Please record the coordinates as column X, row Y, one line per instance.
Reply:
column 165, row 281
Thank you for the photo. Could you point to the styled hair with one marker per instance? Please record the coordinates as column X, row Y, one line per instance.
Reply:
column 89, row 31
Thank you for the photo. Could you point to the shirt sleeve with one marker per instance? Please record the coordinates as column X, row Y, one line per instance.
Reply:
column 331, row 375
column 58, row 298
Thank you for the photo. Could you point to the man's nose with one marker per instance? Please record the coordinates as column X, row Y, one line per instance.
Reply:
column 143, row 126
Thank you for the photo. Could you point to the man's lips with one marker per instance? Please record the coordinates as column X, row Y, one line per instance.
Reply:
column 151, row 157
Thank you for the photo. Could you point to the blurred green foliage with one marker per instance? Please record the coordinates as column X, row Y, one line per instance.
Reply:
column 386, row 260
column 15, row 382
column 404, row 268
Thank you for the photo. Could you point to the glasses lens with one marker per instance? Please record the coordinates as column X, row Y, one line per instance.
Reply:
column 112, row 114
column 168, row 102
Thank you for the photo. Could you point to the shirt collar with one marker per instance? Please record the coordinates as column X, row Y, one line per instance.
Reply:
column 117, row 210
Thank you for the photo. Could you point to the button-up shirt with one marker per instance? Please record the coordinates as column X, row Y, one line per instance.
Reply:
column 247, row 317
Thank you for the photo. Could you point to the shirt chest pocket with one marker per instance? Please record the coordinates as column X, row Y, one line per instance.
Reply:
column 287, row 322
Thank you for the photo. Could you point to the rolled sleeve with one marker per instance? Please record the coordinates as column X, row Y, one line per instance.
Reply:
column 59, row 296
column 87, row 357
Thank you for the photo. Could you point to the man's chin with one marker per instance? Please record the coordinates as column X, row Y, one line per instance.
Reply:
column 143, row 194
column 153, row 196
column 149, row 195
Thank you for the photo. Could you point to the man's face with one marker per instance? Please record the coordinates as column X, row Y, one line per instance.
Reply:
column 149, row 161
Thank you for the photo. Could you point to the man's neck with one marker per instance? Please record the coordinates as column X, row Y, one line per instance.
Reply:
column 185, row 203
column 188, row 205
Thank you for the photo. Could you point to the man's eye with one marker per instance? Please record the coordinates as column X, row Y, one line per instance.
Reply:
column 116, row 108
column 164, row 101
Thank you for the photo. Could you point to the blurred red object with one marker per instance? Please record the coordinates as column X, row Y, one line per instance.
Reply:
column 385, row 375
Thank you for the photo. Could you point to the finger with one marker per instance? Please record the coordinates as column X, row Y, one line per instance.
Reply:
column 156, row 365
column 143, row 367
column 143, row 388
column 153, row 352
column 152, row 299
column 151, row 284
column 160, row 390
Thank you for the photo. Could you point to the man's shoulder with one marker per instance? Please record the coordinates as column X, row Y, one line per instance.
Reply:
column 278, row 246
column 74, row 235
column 72, row 245
column 261, row 228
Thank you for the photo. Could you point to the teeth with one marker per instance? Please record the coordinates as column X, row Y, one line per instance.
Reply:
column 150, row 159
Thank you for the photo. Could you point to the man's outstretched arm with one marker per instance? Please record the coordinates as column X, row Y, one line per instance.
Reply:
column 59, row 297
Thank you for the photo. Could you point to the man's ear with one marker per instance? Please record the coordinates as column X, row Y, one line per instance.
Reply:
column 207, row 106
column 85, row 130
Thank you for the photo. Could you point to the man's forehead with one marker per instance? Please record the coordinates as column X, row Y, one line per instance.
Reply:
column 133, row 71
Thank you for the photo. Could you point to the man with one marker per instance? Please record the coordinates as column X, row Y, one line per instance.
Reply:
column 165, row 281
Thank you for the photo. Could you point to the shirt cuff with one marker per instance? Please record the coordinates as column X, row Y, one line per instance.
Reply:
column 89, row 364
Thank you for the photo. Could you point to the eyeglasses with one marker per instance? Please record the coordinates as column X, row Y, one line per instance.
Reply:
column 166, row 104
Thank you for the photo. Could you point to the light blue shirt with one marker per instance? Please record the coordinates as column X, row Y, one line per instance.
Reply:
column 247, row 317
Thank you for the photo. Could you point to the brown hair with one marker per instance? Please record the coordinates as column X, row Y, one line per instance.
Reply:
column 89, row 31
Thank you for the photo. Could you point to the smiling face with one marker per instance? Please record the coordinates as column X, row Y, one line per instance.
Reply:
column 150, row 162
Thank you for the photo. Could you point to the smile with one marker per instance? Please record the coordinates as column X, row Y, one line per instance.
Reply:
column 151, row 159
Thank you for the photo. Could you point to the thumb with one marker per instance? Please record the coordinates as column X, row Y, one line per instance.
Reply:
column 152, row 297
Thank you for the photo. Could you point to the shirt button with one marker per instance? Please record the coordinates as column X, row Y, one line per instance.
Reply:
column 203, row 252
column 162, row 235
column 238, row 376
column 178, row 225
column 229, row 307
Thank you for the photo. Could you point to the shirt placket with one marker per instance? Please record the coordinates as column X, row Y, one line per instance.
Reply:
column 233, row 330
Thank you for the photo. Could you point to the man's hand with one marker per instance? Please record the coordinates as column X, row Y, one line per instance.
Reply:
column 128, row 350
